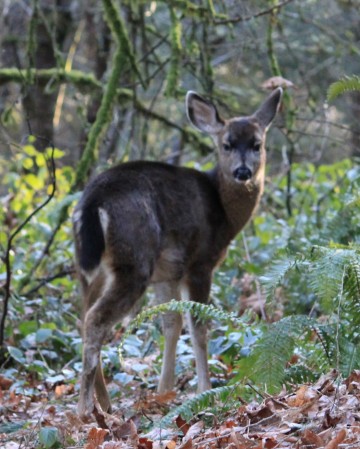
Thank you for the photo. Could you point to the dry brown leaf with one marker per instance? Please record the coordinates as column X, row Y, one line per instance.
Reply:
column 303, row 396
column 182, row 424
column 96, row 437
column 264, row 413
column 145, row 443
column 164, row 398
column 238, row 441
column 334, row 443
column 270, row 443
column 5, row 383
column 62, row 390
column 194, row 430
column 74, row 420
column 171, row 444
column 311, row 440
column 123, row 430
column 151, row 400
column 188, row 444
column 353, row 381
column 134, row 437
column 330, row 420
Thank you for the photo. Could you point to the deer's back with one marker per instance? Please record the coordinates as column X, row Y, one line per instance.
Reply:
column 157, row 216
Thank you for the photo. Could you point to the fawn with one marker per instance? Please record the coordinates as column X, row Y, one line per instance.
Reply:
column 142, row 223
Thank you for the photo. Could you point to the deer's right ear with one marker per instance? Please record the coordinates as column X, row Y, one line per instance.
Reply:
column 203, row 114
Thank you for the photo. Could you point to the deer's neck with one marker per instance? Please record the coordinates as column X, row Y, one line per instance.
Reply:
column 239, row 200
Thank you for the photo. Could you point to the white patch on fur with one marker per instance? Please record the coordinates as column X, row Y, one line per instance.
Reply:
column 109, row 277
column 77, row 220
column 104, row 220
column 105, row 270
column 90, row 275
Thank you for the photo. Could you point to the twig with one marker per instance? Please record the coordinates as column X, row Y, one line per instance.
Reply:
column 48, row 279
column 253, row 16
column 6, row 257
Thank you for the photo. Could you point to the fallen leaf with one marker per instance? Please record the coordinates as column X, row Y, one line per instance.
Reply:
column 62, row 390
column 5, row 383
column 145, row 443
column 182, row 424
column 194, row 430
column 124, row 429
column 311, row 440
column 96, row 437
column 334, row 443
column 188, row 444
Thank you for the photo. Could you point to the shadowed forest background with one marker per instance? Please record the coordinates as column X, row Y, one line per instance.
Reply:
column 87, row 84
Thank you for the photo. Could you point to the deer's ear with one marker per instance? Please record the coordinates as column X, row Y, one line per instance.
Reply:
column 203, row 114
column 267, row 111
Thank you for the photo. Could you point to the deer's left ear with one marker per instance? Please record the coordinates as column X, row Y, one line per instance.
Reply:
column 267, row 111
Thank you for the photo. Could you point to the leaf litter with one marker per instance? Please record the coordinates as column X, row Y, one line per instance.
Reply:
column 323, row 415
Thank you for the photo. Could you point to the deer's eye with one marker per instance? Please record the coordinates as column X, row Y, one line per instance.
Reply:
column 227, row 146
column 257, row 146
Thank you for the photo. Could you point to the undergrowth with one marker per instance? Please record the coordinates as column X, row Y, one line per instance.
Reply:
column 307, row 265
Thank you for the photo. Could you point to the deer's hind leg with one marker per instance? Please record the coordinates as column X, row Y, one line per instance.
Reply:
column 121, row 288
column 91, row 292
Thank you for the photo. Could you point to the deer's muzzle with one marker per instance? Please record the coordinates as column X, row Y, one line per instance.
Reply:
column 242, row 174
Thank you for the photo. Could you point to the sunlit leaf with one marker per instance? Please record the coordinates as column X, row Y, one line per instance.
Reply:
column 34, row 181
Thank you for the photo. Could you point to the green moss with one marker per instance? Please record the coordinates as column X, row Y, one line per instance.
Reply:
column 176, row 47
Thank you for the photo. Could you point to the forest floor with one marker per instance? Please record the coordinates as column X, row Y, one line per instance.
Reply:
column 322, row 415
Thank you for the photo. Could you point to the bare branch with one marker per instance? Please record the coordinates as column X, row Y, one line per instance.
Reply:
column 253, row 16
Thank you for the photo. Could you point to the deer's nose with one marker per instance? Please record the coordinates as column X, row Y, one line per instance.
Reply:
column 242, row 174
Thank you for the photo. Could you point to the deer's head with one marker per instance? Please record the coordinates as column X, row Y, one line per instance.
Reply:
column 240, row 140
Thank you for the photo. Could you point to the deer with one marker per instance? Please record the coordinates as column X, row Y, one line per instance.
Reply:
column 144, row 223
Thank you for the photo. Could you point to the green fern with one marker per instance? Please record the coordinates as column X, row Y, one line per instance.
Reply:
column 199, row 403
column 350, row 356
column 273, row 350
column 344, row 226
column 333, row 274
column 200, row 311
column 327, row 271
column 277, row 273
column 299, row 374
column 347, row 84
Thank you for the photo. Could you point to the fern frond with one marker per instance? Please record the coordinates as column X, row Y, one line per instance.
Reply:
column 344, row 226
column 350, row 357
column 299, row 374
column 200, row 311
column 273, row 350
column 276, row 274
column 352, row 283
column 327, row 270
column 199, row 403
column 347, row 84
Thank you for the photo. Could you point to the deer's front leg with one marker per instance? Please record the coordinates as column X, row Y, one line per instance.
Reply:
column 199, row 284
column 171, row 326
